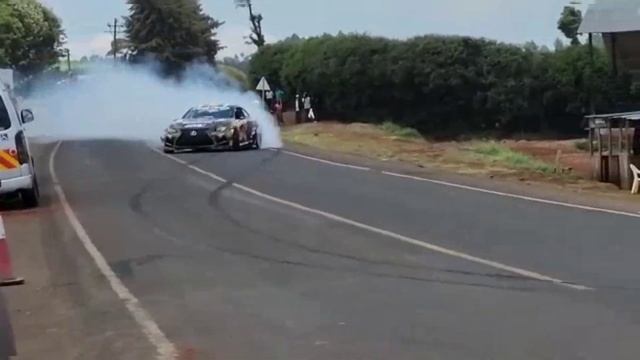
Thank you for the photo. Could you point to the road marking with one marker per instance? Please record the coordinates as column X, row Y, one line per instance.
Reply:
column 515, row 196
column 425, row 245
column 164, row 348
column 477, row 189
column 362, row 168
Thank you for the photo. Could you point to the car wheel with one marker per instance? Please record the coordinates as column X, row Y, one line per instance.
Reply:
column 257, row 141
column 31, row 197
column 235, row 140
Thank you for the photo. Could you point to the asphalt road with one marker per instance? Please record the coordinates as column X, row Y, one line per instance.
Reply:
column 228, row 273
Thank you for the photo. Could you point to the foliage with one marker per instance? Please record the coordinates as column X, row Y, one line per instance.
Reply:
column 31, row 36
column 257, row 36
column 400, row 131
column 569, row 23
column 119, row 46
column 236, row 74
column 444, row 84
column 172, row 32
column 495, row 153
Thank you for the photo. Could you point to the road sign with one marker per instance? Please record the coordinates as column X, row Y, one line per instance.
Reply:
column 263, row 85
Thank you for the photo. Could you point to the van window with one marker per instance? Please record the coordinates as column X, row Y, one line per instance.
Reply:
column 5, row 121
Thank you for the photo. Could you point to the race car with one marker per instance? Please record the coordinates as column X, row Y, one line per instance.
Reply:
column 212, row 127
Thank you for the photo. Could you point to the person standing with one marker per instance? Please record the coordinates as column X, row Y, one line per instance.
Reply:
column 298, row 115
column 279, row 110
column 307, row 107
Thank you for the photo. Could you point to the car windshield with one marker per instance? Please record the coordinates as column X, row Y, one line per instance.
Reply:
column 225, row 113
column 5, row 121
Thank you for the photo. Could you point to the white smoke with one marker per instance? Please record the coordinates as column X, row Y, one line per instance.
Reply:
column 132, row 102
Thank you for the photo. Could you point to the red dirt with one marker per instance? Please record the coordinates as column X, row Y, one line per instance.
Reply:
column 546, row 150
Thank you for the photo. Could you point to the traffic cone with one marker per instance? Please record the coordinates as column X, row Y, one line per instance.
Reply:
column 6, row 270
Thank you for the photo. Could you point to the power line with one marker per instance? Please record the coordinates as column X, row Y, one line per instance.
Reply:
column 116, row 29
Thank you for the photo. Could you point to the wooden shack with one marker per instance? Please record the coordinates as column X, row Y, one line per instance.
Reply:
column 618, row 21
column 614, row 144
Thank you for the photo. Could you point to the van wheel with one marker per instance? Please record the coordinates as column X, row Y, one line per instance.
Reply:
column 31, row 197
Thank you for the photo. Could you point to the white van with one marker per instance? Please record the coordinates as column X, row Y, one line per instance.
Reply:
column 17, row 172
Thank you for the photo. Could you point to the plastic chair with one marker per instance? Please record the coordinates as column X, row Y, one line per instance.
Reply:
column 636, row 179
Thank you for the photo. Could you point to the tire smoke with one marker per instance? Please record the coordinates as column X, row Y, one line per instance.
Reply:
column 134, row 103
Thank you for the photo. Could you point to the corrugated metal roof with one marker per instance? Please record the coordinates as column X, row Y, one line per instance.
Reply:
column 635, row 115
column 607, row 16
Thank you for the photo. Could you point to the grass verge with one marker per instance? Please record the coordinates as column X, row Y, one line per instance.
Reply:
column 389, row 142
column 494, row 153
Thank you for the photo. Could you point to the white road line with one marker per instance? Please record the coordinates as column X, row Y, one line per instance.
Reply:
column 515, row 196
column 425, row 245
column 325, row 161
column 164, row 348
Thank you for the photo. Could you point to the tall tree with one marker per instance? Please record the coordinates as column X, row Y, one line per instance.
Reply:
column 31, row 36
column 257, row 36
column 569, row 23
column 172, row 32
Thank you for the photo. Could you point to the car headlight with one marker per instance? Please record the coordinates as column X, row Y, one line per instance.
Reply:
column 171, row 130
column 221, row 129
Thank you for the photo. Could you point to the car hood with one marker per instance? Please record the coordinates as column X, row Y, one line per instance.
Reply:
column 201, row 123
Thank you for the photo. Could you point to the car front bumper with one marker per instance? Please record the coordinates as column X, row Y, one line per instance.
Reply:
column 15, row 184
column 215, row 141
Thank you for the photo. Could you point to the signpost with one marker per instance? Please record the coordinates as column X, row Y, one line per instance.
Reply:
column 263, row 86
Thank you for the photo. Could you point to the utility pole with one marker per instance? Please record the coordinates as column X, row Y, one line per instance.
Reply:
column 116, row 29
column 68, row 60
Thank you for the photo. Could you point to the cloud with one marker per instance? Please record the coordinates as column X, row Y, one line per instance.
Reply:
column 90, row 45
column 234, row 38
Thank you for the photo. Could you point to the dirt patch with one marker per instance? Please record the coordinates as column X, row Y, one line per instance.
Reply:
column 547, row 150
column 521, row 160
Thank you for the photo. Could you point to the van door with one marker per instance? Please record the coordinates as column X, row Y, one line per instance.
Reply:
column 9, row 125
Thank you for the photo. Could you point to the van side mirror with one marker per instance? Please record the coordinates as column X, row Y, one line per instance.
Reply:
column 27, row 116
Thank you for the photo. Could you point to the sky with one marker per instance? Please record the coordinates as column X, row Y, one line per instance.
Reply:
column 514, row 21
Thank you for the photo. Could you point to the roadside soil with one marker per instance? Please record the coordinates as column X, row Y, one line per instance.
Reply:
column 368, row 145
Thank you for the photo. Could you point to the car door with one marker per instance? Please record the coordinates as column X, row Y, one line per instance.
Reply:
column 10, row 166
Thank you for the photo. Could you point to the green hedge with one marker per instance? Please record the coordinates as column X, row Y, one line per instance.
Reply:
column 443, row 84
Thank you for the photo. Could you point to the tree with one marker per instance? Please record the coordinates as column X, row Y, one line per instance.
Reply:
column 119, row 46
column 257, row 36
column 558, row 45
column 446, row 85
column 569, row 23
column 31, row 36
column 173, row 32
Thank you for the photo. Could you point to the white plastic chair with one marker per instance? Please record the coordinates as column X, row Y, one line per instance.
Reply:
column 636, row 179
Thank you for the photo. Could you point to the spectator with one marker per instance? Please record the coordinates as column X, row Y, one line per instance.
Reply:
column 307, row 107
column 298, row 116
column 279, row 109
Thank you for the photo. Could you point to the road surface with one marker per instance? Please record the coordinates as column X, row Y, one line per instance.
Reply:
column 268, row 255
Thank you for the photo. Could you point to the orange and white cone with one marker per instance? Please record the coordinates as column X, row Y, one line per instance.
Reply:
column 6, row 269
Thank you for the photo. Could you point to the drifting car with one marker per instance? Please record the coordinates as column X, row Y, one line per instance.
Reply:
column 212, row 127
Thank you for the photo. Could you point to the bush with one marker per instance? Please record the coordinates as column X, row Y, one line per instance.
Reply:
column 400, row 131
column 443, row 84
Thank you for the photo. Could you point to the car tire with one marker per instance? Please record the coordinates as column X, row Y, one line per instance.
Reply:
column 31, row 197
column 235, row 140
column 257, row 141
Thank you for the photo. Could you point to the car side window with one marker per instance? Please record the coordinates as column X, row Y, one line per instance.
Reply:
column 246, row 114
column 240, row 114
column 14, row 101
